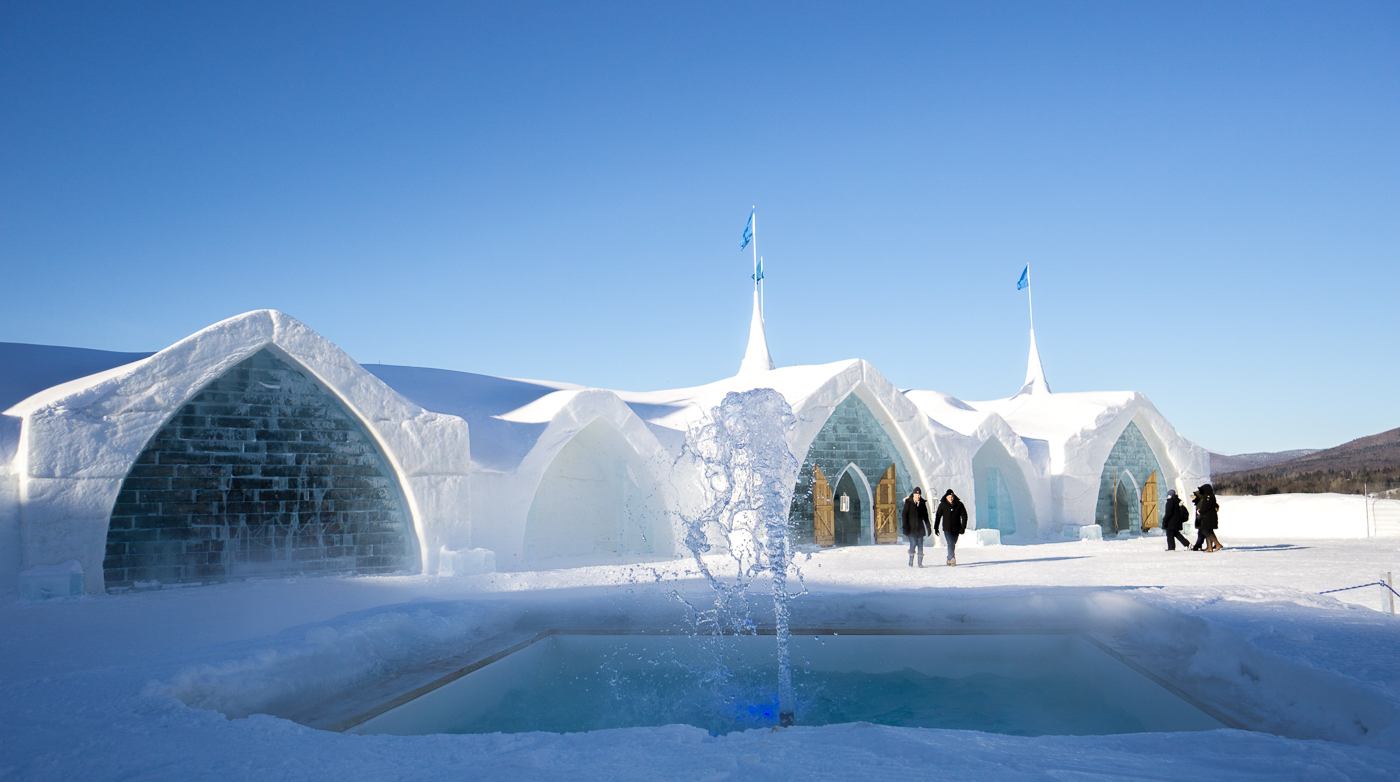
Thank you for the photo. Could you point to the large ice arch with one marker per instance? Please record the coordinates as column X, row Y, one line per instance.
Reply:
column 927, row 448
column 1183, row 464
column 79, row 440
column 1003, row 500
column 1024, row 463
column 854, row 442
column 590, row 444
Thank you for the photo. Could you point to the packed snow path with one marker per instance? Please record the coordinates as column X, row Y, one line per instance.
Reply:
column 87, row 687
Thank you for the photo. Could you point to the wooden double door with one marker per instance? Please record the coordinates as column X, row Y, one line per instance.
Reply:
column 884, row 523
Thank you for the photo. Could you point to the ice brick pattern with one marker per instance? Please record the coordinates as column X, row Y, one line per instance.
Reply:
column 852, row 435
column 260, row 473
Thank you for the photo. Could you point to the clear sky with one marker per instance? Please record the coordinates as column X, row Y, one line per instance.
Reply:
column 1208, row 193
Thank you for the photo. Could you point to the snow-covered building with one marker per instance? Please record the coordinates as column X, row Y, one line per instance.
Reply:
column 256, row 447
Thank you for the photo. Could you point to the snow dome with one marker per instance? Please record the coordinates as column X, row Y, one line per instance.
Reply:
column 256, row 447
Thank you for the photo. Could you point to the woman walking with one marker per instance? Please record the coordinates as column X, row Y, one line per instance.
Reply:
column 1208, row 516
column 952, row 515
column 916, row 524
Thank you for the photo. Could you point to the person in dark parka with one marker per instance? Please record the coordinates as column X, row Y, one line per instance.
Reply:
column 1207, row 517
column 1200, row 531
column 1174, row 517
column 952, row 516
column 916, row 526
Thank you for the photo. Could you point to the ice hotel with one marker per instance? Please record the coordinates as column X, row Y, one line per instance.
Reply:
column 256, row 447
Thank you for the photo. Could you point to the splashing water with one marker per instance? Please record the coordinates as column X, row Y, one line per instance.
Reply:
column 748, row 474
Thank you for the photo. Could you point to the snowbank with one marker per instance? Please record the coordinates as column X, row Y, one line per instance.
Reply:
column 99, row 688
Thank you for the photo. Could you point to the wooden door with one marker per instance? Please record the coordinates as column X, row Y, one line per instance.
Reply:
column 1116, row 527
column 823, row 525
column 1149, row 503
column 885, row 529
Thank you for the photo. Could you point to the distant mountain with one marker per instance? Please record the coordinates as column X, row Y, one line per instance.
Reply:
column 1372, row 462
column 1220, row 464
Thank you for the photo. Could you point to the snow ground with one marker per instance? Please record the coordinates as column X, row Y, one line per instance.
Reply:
column 96, row 688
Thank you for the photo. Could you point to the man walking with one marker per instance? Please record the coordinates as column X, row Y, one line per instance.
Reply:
column 1174, row 517
column 916, row 524
column 952, row 515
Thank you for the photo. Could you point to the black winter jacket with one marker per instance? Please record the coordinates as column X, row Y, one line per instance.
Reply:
column 1174, row 515
column 915, row 518
column 1207, row 509
column 952, row 516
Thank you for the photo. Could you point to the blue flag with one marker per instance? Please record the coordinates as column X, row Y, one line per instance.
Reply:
column 1025, row 281
column 759, row 274
column 748, row 232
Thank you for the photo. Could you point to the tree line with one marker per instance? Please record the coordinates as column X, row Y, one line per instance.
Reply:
column 1310, row 482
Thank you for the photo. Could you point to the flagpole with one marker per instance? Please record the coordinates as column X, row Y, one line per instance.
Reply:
column 756, row 281
column 1030, row 300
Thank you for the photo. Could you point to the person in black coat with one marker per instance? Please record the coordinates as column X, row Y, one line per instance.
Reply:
column 916, row 526
column 952, row 516
column 1174, row 517
column 1207, row 517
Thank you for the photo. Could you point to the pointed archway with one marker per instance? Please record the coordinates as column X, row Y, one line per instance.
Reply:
column 262, row 472
column 1131, row 460
column 593, row 503
column 852, row 436
column 1003, row 496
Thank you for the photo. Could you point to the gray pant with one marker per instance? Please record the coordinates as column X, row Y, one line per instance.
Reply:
column 951, row 538
column 916, row 540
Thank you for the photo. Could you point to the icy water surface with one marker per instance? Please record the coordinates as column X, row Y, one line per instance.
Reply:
column 1051, row 704
column 1027, row 685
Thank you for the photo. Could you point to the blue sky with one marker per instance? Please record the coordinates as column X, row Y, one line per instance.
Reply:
column 1207, row 193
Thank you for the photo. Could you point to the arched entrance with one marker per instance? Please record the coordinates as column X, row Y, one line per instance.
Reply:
column 1127, row 507
column 261, row 473
column 592, row 502
column 851, row 441
column 1003, row 496
column 1129, row 462
column 848, row 511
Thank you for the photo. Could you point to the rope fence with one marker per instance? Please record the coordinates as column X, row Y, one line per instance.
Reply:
column 1363, row 586
column 1387, row 600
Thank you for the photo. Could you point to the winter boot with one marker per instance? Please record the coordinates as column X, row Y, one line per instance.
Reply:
column 911, row 560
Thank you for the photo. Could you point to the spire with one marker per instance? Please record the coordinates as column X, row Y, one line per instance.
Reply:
column 1035, row 373
column 756, row 358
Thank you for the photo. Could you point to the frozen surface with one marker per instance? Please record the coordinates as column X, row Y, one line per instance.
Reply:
column 96, row 688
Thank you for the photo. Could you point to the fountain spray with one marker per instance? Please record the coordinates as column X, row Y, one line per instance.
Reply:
column 748, row 473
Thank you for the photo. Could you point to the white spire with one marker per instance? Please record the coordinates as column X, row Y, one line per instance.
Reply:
column 1035, row 373
column 756, row 358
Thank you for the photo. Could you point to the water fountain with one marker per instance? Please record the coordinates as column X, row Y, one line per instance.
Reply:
column 748, row 474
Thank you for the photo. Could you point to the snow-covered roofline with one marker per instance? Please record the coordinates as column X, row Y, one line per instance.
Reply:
column 79, row 441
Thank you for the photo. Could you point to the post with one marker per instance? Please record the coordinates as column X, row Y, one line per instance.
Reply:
column 1387, row 596
column 1366, row 498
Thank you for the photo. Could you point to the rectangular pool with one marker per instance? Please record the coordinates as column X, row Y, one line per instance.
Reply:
column 1027, row 685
